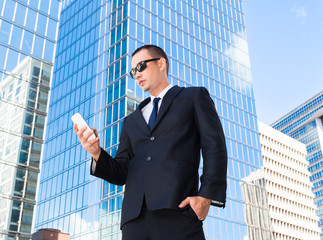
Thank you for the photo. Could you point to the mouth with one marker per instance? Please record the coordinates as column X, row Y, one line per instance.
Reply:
column 141, row 82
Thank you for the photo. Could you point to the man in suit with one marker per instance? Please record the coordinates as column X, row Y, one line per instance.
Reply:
column 159, row 155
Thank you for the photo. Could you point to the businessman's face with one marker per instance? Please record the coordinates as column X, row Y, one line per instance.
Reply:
column 151, row 79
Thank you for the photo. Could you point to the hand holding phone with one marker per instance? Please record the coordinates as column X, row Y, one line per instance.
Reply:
column 80, row 122
column 91, row 145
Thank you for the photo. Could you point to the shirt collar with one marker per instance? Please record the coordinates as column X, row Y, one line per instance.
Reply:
column 162, row 94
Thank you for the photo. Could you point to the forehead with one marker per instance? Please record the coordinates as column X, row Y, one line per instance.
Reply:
column 140, row 56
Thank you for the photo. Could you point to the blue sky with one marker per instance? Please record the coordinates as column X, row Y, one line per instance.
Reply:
column 285, row 40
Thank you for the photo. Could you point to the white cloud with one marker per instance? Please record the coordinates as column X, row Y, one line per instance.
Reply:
column 240, row 53
column 300, row 13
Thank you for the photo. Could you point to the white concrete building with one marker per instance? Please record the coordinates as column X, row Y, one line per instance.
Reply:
column 23, row 110
column 287, row 182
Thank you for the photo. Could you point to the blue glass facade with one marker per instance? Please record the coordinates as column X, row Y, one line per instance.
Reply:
column 206, row 45
column 305, row 124
column 28, row 33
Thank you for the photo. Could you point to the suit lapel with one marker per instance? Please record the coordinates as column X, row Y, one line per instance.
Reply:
column 139, row 118
column 167, row 100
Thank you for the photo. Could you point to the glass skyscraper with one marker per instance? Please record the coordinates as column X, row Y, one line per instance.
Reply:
column 305, row 123
column 206, row 45
column 28, row 31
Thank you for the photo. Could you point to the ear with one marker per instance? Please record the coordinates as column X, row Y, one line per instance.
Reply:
column 162, row 64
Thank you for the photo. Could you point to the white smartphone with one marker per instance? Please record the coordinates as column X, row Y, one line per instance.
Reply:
column 80, row 122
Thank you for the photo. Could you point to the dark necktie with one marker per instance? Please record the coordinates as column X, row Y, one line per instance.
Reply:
column 153, row 115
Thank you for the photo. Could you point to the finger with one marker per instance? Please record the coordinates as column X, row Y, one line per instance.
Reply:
column 202, row 211
column 94, row 141
column 82, row 130
column 199, row 213
column 87, row 135
column 80, row 133
column 184, row 202
column 75, row 128
column 203, row 216
column 95, row 132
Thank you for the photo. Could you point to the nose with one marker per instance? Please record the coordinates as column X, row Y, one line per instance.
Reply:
column 138, row 75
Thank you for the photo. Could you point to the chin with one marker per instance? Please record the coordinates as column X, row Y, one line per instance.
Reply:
column 146, row 88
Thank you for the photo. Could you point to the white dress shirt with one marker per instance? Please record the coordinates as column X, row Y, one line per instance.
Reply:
column 146, row 111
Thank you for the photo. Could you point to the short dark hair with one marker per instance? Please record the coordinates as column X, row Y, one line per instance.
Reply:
column 155, row 52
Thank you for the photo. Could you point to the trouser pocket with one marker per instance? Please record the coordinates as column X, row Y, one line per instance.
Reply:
column 191, row 213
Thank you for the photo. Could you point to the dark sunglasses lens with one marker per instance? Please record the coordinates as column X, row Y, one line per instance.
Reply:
column 133, row 72
column 141, row 66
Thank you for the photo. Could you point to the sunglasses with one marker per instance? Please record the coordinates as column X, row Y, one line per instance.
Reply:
column 140, row 67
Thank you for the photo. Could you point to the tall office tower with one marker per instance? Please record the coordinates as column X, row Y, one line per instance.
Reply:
column 304, row 123
column 206, row 44
column 27, row 43
column 290, row 199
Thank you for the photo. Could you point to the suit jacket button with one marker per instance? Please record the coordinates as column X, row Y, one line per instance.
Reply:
column 152, row 138
column 148, row 159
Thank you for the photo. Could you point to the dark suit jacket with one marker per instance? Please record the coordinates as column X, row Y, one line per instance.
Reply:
column 162, row 165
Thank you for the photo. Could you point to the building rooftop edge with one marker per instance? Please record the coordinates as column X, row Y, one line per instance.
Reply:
column 283, row 138
column 318, row 114
column 295, row 109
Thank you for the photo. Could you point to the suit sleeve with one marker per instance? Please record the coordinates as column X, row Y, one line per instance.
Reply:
column 214, row 152
column 114, row 170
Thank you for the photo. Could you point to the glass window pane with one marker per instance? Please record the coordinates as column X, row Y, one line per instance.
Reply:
column 16, row 37
column 52, row 28
column 38, row 46
column 140, row 32
column 3, row 52
column 5, row 32
column 34, row 3
column 27, row 41
column 41, row 24
column 44, row 6
column 20, row 14
column 49, row 50
column 132, row 30
column 54, row 8
column 124, row 28
column 9, row 9
column 12, row 60
column 31, row 19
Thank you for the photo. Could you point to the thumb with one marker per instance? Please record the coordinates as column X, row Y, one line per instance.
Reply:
column 184, row 202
